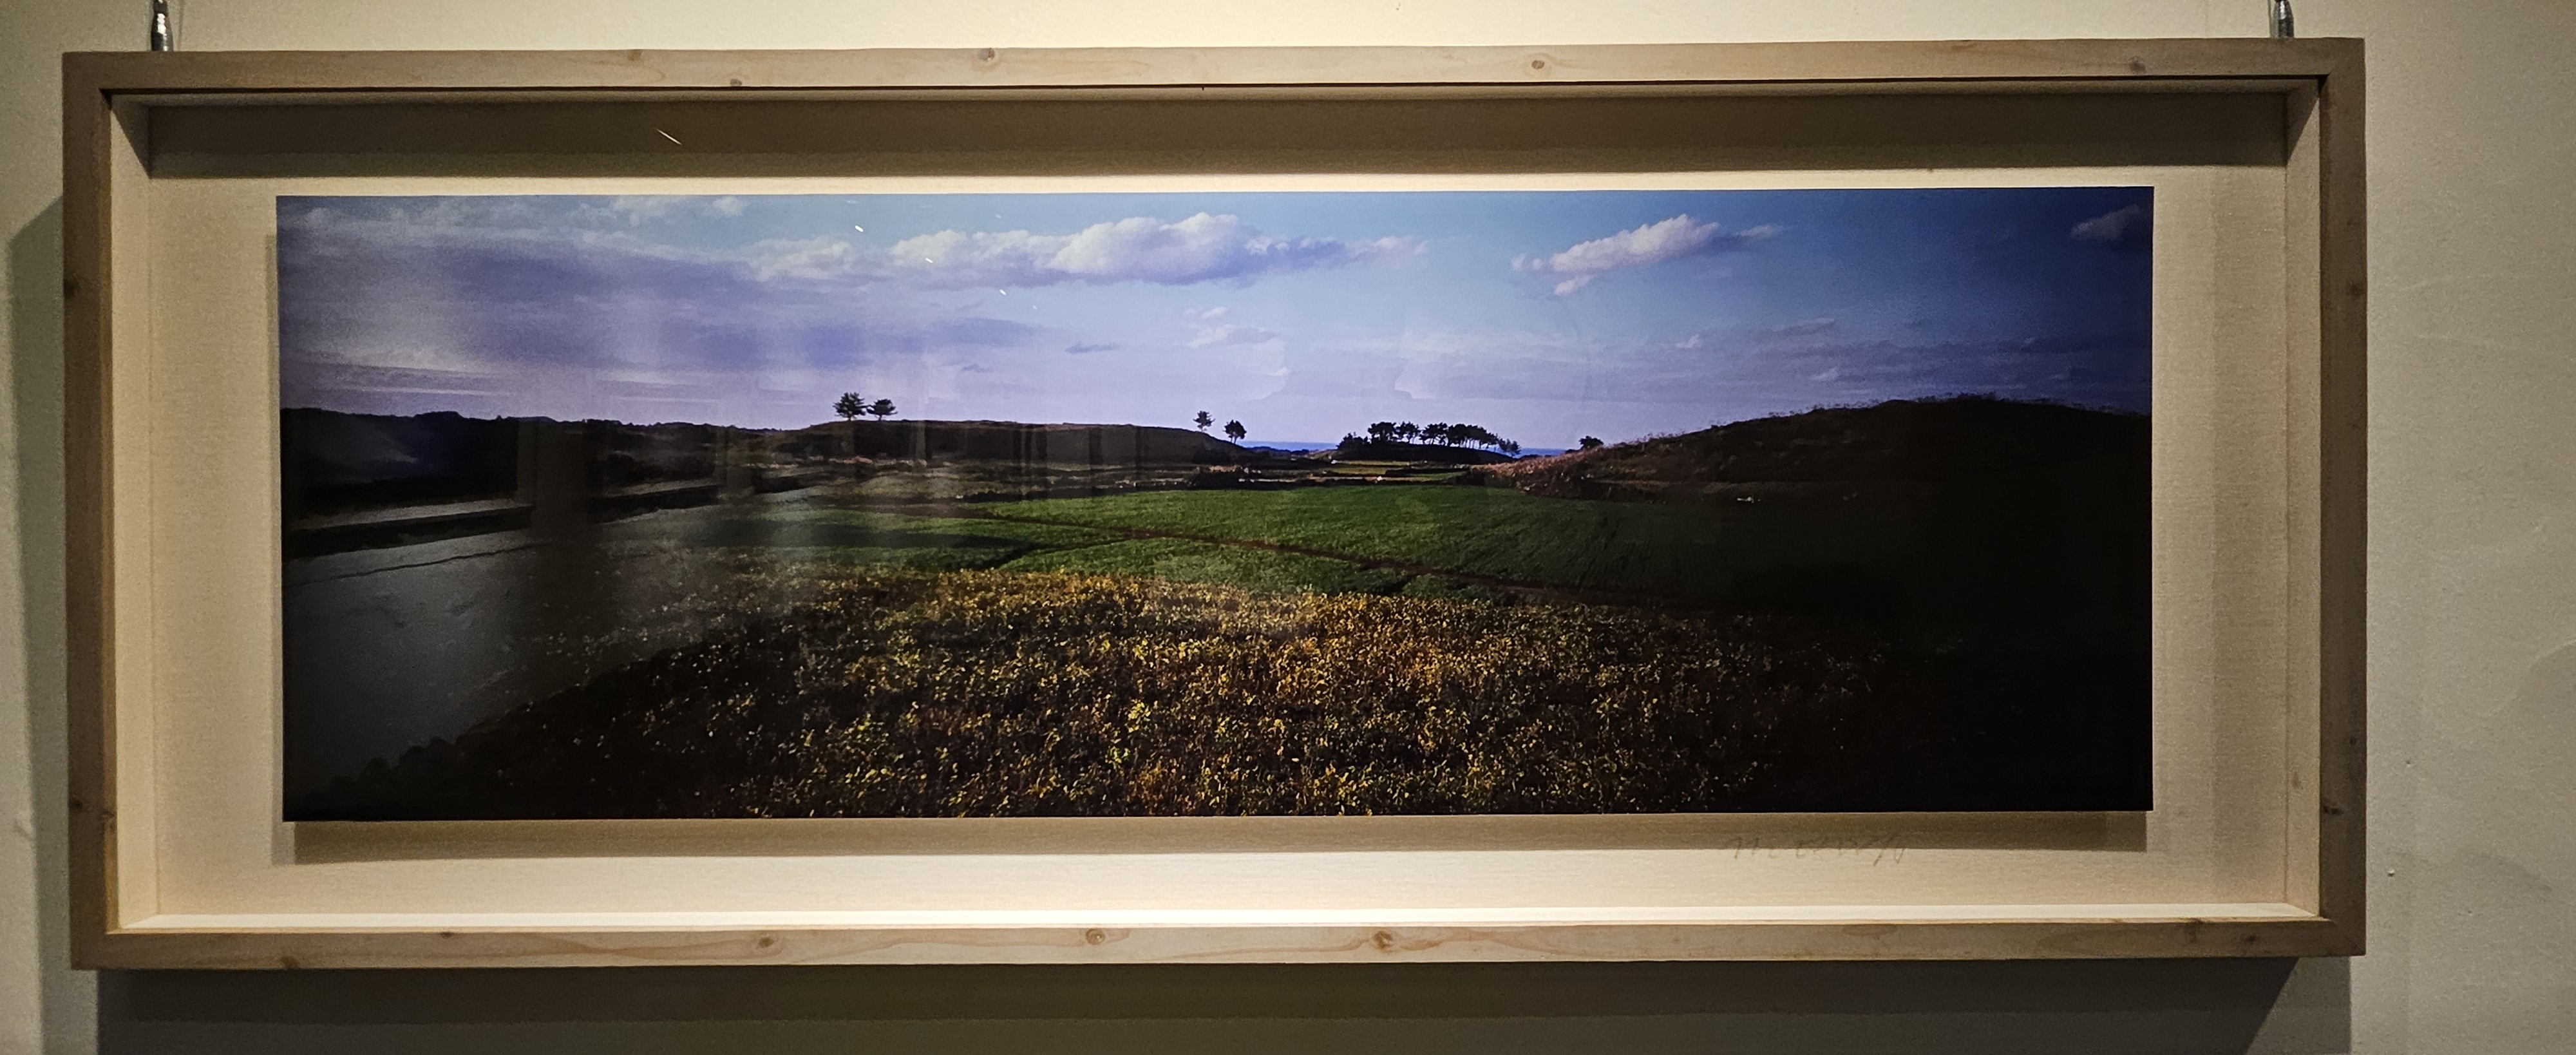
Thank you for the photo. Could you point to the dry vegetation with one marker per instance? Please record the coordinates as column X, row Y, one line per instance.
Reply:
column 975, row 693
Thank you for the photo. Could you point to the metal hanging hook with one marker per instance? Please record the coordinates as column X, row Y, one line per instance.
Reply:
column 162, row 38
column 2284, row 25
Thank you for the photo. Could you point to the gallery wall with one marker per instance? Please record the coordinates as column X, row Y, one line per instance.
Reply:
column 2473, row 609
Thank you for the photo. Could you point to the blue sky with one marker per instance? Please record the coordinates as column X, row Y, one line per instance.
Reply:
column 1543, row 315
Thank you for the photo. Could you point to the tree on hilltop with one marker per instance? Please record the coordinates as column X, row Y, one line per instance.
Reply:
column 1408, row 432
column 1381, row 432
column 881, row 409
column 849, row 407
column 1235, row 431
column 1590, row 442
column 1203, row 420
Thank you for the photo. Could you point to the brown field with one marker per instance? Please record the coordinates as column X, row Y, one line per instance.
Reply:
column 977, row 693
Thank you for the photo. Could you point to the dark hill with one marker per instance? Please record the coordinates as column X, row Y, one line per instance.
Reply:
column 1961, row 441
column 2002, row 547
column 1359, row 450
column 1009, row 441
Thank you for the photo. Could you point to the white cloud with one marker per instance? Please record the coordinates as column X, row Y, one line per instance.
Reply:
column 2112, row 226
column 803, row 258
column 1203, row 248
column 1205, row 314
column 637, row 208
column 1215, row 336
column 1653, row 243
column 634, row 209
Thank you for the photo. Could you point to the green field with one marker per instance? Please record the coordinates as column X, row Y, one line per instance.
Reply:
column 810, row 531
column 1626, row 548
column 1422, row 540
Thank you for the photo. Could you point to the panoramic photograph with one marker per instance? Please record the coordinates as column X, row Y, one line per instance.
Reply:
column 1215, row 503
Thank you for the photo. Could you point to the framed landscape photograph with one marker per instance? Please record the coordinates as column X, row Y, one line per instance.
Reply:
column 1729, row 501
column 919, row 505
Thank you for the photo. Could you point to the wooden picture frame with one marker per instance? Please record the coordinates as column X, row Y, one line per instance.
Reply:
column 2255, row 848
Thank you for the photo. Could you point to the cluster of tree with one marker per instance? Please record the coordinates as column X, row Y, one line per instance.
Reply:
column 1444, row 433
column 851, row 406
column 1234, row 430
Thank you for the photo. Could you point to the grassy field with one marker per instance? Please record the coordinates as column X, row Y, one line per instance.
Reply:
column 843, row 534
column 1491, row 532
column 1371, row 539
column 887, row 692
column 1417, row 539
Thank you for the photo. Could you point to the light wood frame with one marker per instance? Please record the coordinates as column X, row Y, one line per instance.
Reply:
column 109, row 103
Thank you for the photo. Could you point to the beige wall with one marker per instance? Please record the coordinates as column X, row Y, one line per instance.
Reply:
column 2473, row 617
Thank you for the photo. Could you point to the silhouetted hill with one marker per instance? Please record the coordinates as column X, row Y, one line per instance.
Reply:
column 1970, row 441
column 334, row 460
column 1372, row 451
column 1009, row 441
column 2001, row 545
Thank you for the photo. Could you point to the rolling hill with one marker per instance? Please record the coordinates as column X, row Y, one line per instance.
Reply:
column 1975, row 442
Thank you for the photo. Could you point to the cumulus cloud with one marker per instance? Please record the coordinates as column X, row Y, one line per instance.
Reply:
column 1218, row 336
column 814, row 258
column 1653, row 243
column 2121, row 225
column 635, row 209
column 542, row 286
column 1202, row 248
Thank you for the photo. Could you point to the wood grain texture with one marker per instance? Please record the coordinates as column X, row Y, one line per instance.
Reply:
column 2322, row 921
column 2039, row 61
column 2303, row 696
column 89, row 686
column 2041, row 938
column 2343, row 478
